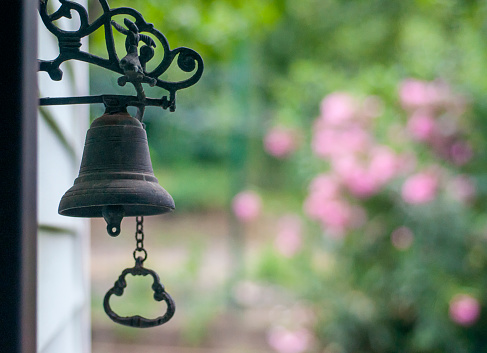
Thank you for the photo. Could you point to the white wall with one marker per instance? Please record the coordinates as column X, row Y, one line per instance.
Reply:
column 63, row 294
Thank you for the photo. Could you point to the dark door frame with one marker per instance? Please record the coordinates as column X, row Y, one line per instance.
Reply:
column 18, row 174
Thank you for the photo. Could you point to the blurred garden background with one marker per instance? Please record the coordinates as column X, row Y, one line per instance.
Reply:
column 330, row 177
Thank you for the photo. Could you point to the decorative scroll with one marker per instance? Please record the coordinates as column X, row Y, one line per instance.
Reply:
column 132, row 66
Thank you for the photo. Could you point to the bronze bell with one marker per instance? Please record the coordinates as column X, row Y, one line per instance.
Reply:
column 116, row 177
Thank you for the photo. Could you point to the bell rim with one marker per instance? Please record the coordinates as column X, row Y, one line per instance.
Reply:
column 96, row 210
column 138, row 197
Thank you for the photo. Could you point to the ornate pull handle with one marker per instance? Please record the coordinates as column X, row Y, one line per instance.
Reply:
column 159, row 295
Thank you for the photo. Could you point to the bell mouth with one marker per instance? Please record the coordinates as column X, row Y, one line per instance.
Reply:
column 137, row 197
column 129, row 210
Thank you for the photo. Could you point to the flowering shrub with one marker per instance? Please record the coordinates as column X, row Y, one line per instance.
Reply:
column 359, row 165
column 393, row 201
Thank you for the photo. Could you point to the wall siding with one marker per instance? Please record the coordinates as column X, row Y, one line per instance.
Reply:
column 63, row 293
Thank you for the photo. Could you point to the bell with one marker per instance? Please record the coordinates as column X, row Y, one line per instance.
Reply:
column 116, row 177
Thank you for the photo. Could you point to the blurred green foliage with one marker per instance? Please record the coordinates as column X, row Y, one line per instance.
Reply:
column 271, row 62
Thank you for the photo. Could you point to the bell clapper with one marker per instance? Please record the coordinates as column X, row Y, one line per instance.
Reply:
column 113, row 215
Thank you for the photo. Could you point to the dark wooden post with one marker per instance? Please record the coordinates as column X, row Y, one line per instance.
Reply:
column 18, row 144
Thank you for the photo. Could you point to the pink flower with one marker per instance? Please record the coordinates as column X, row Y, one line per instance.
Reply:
column 329, row 142
column 460, row 153
column 325, row 142
column 354, row 139
column 361, row 183
column 288, row 240
column 355, row 176
column 325, row 205
column 336, row 213
column 338, row 216
column 364, row 180
column 287, row 341
column 338, row 108
column 345, row 166
column 420, row 188
column 280, row 142
column 247, row 206
column 402, row 238
column 325, row 185
column 313, row 206
column 325, row 209
column 464, row 309
column 422, row 125
column 384, row 164
column 417, row 93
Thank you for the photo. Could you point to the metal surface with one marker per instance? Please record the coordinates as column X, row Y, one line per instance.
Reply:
column 132, row 66
column 109, row 100
column 160, row 293
column 116, row 177
column 139, row 239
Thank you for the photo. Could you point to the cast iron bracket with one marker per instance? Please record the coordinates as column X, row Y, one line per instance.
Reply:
column 132, row 66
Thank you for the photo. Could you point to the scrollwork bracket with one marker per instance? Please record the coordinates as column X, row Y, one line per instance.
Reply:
column 133, row 65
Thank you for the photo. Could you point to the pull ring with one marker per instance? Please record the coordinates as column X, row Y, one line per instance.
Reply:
column 159, row 295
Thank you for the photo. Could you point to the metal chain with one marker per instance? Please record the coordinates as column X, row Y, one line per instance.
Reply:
column 139, row 238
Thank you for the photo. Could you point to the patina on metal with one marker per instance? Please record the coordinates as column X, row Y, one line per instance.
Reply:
column 132, row 66
column 115, row 178
column 160, row 293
